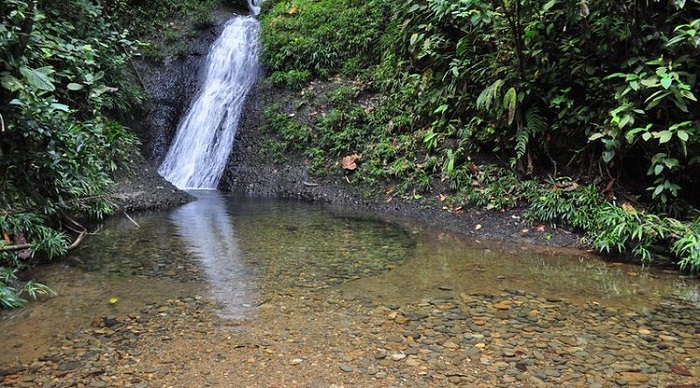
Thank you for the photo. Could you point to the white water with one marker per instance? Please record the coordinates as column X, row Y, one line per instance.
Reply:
column 204, row 138
column 254, row 6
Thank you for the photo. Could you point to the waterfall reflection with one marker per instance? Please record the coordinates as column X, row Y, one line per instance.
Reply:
column 207, row 227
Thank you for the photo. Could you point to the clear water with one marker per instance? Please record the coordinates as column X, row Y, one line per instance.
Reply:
column 243, row 248
column 241, row 252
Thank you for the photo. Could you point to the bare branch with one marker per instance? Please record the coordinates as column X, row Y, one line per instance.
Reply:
column 77, row 240
column 15, row 247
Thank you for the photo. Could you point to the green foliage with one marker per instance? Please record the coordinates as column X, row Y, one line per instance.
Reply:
column 559, row 205
column 322, row 38
column 62, row 68
column 11, row 297
column 608, row 87
column 164, row 25
column 616, row 229
column 292, row 79
column 493, row 188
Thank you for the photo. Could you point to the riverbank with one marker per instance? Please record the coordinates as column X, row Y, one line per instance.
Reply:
column 144, row 189
column 250, row 173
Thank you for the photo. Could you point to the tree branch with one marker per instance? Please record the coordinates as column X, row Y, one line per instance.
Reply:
column 77, row 240
column 15, row 247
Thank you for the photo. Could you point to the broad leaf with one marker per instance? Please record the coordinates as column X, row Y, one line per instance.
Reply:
column 101, row 89
column 37, row 79
column 510, row 103
column 10, row 82
column 74, row 87
column 61, row 107
column 665, row 136
column 666, row 82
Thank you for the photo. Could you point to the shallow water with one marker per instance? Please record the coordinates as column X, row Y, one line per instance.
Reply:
column 240, row 252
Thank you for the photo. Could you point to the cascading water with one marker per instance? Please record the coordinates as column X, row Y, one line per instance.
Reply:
column 198, row 155
column 254, row 6
column 204, row 138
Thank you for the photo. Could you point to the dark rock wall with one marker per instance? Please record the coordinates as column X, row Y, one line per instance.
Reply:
column 170, row 86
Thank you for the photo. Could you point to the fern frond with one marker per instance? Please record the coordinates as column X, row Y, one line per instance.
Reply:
column 535, row 125
column 489, row 95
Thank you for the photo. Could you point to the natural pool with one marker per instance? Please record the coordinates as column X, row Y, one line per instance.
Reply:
column 241, row 252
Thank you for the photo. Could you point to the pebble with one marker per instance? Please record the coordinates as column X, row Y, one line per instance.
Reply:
column 593, row 346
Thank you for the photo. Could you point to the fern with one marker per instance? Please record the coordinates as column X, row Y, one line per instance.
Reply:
column 535, row 125
column 489, row 95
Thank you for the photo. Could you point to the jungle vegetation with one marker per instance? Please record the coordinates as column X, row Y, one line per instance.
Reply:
column 65, row 79
column 585, row 112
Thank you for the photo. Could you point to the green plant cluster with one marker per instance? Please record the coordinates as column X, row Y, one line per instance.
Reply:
column 605, row 90
column 63, row 67
column 310, row 39
column 618, row 229
column 550, row 82
column 163, row 25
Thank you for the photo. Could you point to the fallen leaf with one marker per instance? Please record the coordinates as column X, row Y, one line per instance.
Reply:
column 350, row 162
column 477, row 227
column 571, row 187
column 629, row 208
column 113, row 300
column 540, row 228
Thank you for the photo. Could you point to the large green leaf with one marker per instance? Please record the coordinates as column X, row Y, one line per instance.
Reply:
column 37, row 79
column 510, row 103
column 10, row 82
column 74, row 86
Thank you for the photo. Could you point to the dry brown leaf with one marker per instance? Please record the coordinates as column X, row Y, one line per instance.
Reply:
column 571, row 187
column 350, row 162
column 629, row 208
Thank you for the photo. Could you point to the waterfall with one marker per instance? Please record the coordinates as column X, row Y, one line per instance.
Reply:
column 204, row 137
column 254, row 6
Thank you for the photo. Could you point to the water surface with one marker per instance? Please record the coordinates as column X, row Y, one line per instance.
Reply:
column 242, row 252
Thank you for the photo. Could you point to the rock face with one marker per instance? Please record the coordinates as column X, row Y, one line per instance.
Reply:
column 249, row 173
column 171, row 84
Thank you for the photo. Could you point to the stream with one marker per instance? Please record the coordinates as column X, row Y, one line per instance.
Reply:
column 240, row 253
column 234, row 291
